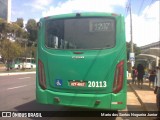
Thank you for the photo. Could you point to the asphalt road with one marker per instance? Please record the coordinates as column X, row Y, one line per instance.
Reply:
column 17, row 93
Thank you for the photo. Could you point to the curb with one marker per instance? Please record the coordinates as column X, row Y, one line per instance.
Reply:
column 17, row 73
column 144, row 106
column 139, row 99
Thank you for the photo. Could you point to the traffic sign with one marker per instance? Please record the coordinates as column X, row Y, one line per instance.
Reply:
column 132, row 57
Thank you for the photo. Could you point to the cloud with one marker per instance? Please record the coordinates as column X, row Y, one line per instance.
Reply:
column 39, row 4
column 71, row 6
column 145, row 27
column 17, row 13
column 152, row 11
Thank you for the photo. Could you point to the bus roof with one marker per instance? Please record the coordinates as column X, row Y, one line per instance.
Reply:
column 83, row 14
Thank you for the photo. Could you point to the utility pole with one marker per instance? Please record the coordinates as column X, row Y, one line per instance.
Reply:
column 130, row 10
column 132, row 55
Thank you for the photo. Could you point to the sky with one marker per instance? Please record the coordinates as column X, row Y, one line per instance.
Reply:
column 145, row 14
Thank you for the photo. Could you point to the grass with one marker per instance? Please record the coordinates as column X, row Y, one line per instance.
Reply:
column 2, row 65
column 3, row 69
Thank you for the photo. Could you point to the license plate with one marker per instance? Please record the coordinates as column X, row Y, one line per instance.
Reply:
column 79, row 84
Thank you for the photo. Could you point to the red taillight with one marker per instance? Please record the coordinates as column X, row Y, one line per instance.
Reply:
column 114, row 14
column 118, row 77
column 78, row 52
column 41, row 74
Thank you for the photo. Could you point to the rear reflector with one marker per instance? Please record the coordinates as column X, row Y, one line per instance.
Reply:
column 118, row 77
column 115, row 103
column 41, row 75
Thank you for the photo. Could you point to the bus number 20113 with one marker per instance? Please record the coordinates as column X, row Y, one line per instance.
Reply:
column 97, row 84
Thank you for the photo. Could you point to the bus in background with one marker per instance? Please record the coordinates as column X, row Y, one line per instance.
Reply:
column 22, row 62
column 15, row 63
column 28, row 63
column 81, row 61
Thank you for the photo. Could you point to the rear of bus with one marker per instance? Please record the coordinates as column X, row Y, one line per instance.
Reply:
column 82, row 61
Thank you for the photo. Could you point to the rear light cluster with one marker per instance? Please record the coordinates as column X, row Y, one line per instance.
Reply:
column 118, row 77
column 41, row 75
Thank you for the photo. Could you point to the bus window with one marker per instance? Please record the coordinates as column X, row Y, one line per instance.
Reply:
column 84, row 33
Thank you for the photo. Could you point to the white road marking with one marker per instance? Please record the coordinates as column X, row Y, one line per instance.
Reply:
column 17, row 87
column 24, row 78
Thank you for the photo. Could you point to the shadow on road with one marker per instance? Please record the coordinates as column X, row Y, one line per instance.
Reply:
column 34, row 106
column 145, row 87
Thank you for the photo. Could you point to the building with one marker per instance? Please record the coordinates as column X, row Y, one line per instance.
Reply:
column 150, row 54
column 152, row 45
column 5, row 10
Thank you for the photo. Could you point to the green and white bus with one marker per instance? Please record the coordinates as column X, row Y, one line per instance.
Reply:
column 22, row 62
column 81, row 61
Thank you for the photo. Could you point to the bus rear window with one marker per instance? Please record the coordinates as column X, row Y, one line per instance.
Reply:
column 81, row 33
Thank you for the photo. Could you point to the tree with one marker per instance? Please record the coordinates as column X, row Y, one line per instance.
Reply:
column 15, row 31
column 31, row 27
column 3, row 31
column 10, row 51
column 30, row 52
column 8, row 30
column 137, row 50
column 19, row 22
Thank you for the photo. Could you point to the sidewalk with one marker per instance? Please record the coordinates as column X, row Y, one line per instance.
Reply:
column 145, row 95
column 16, row 73
column 3, row 72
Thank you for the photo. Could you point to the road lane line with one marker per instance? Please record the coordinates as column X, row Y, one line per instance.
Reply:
column 17, row 87
column 24, row 78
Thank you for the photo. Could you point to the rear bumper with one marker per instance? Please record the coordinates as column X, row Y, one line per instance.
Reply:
column 107, row 101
